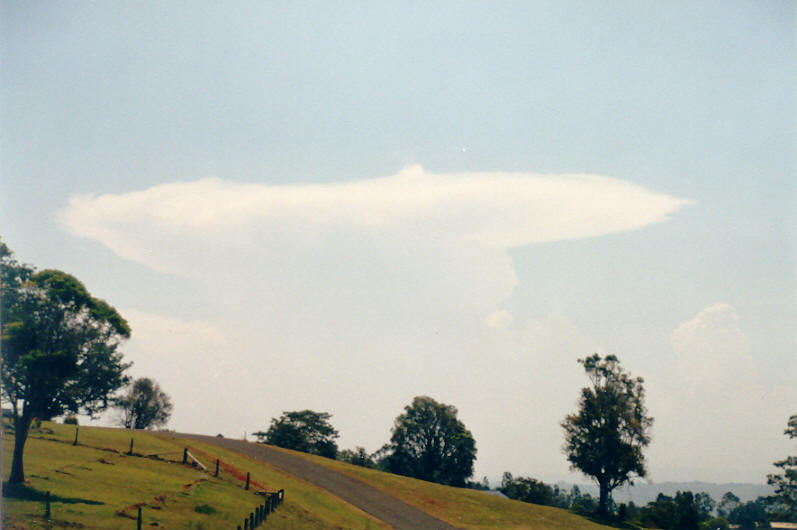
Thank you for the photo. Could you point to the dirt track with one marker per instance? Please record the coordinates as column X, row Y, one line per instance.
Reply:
column 377, row 503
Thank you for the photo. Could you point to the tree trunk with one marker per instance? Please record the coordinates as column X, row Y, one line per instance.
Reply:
column 21, row 428
column 603, row 506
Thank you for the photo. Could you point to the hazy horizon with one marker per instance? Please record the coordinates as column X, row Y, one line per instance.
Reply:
column 339, row 207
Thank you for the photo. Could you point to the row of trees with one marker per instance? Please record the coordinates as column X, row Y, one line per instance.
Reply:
column 604, row 439
column 684, row 511
column 428, row 442
column 61, row 355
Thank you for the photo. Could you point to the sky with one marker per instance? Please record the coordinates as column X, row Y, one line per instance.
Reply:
column 339, row 206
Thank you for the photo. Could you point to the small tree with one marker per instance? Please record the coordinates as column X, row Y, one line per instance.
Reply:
column 60, row 349
column 145, row 406
column 306, row 431
column 358, row 456
column 430, row 443
column 750, row 515
column 728, row 503
column 528, row 490
column 784, row 500
column 605, row 438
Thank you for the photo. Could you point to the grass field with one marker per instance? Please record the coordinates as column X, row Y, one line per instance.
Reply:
column 91, row 482
column 464, row 508
column 97, row 485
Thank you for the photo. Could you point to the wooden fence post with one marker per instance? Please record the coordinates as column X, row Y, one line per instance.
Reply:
column 251, row 519
column 138, row 523
column 130, row 452
column 246, row 524
column 76, row 429
column 185, row 455
column 47, row 505
column 217, row 468
column 247, row 480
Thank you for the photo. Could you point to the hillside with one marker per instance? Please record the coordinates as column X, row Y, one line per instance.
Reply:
column 96, row 484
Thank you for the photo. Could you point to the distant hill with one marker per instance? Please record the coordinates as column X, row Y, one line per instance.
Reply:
column 642, row 493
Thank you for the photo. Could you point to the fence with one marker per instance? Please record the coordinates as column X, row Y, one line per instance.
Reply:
column 260, row 514
column 255, row 518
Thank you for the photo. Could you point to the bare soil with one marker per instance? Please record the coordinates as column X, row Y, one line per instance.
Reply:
column 384, row 507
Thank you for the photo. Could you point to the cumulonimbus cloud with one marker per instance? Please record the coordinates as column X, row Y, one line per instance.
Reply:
column 483, row 210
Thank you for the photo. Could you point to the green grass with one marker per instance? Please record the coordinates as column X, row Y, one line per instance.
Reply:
column 464, row 508
column 90, row 483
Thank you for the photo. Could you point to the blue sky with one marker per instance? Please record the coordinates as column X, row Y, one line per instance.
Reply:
column 370, row 201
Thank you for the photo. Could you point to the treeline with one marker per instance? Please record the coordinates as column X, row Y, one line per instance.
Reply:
column 428, row 442
column 684, row 511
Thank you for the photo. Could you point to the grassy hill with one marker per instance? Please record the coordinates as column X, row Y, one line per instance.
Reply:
column 96, row 484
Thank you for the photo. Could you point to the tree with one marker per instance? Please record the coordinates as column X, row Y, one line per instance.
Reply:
column 605, row 438
column 430, row 443
column 60, row 349
column 728, row 503
column 357, row 456
column 527, row 490
column 144, row 406
column 749, row 515
column 684, row 512
column 306, row 431
column 784, row 500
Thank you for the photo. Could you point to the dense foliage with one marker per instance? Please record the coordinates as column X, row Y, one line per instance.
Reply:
column 784, row 501
column 685, row 511
column 605, row 438
column 534, row 491
column 358, row 457
column 60, row 348
column 430, row 443
column 305, row 430
column 144, row 406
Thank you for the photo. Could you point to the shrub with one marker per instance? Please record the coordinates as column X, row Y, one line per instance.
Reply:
column 205, row 509
column 70, row 420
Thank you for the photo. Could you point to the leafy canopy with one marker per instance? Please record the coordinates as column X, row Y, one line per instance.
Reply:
column 605, row 438
column 60, row 348
column 304, row 430
column 784, row 500
column 145, row 405
column 430, row 443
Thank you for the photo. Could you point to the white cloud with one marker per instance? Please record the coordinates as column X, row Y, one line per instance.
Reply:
column 368, row 253
column 499, row 319
column 712, row 344
column 476, row 210
column 713, row 412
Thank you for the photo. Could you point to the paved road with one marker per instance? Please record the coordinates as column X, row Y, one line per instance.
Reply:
column 384, row 507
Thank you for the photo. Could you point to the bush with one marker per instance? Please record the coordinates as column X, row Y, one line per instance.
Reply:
column 358, row 457
column 70, row 420
column 205, row 509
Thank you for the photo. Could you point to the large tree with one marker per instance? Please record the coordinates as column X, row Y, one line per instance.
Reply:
column 303, row 430
column 144, row 406
column 605, row 438
column 430, row 443
column 60, row 348
column 784, row 500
